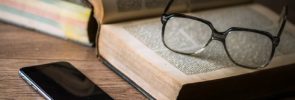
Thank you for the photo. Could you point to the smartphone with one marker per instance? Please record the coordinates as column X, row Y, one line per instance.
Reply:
column 61, row 81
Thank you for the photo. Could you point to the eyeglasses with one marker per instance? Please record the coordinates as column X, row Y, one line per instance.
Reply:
column 245, row 47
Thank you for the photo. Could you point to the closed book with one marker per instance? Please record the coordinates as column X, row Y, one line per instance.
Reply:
column 67, row 19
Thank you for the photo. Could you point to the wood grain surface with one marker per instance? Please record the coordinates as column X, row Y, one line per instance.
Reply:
column 21, row 47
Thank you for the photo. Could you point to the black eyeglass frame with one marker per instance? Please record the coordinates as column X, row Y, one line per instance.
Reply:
column 221, row 36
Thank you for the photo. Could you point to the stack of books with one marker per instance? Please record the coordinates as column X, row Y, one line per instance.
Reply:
column 68, row 19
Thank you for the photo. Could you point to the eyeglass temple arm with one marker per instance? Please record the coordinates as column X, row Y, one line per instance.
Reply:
column 283, row 20
column 168, row 7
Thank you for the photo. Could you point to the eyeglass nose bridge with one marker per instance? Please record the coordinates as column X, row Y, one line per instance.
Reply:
column 220, row 36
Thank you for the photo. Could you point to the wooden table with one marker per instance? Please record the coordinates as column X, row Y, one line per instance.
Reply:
column 21, row 47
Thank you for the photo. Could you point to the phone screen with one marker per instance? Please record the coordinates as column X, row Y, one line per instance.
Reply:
column 62, row 81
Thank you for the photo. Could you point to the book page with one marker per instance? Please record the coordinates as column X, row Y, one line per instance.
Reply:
column 122, row 10
column 214, row 56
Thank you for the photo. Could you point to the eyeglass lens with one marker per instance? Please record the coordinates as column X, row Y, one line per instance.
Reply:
column 189, row 36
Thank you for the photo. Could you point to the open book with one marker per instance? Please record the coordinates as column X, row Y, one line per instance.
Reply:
column 134, row 48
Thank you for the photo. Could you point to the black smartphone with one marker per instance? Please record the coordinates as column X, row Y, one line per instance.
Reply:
column 62, row 81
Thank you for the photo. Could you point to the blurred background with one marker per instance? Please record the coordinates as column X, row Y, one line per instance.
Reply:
column 276, row 5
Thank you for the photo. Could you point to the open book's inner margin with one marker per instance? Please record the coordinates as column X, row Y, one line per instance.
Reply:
column 214, row 56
